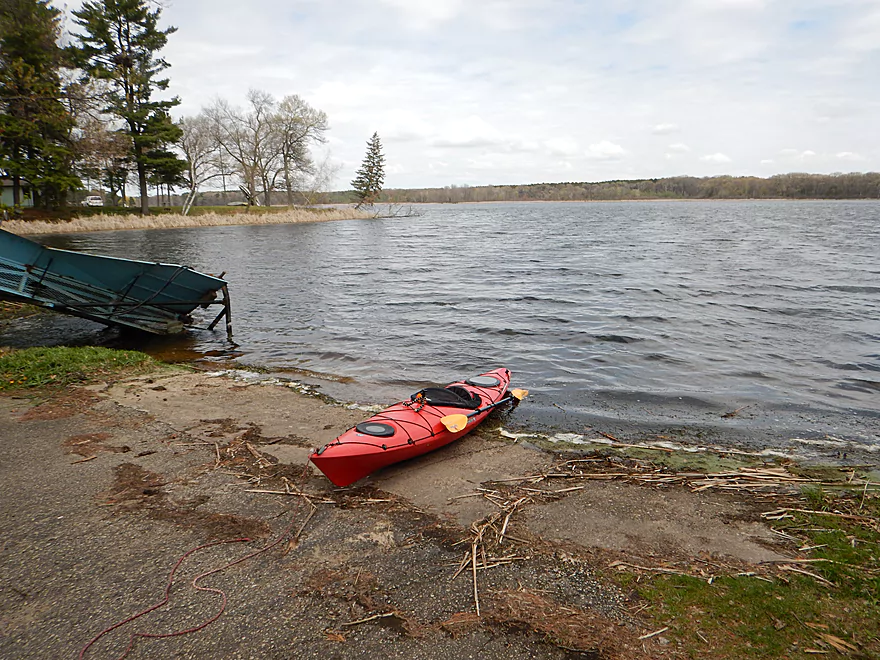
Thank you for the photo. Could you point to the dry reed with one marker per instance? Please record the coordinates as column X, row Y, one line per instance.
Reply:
column 176, row 220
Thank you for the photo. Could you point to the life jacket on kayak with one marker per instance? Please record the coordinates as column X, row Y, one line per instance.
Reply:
column 451, row 397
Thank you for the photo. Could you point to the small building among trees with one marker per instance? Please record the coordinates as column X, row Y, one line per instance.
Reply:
column 6, row 193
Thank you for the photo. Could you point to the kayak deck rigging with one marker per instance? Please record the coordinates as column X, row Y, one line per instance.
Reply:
column 430, row 419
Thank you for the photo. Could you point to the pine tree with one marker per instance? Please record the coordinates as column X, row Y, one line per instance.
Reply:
column 34, row 122
column 163, row 166
column 368, row 181
column 119, row 46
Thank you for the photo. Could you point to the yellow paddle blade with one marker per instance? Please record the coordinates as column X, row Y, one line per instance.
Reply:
column 454, row 423
column 519, row 395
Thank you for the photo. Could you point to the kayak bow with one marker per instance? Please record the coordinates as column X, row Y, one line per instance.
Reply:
column 432, row 418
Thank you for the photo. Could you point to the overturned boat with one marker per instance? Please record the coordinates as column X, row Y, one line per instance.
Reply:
column 155, row 297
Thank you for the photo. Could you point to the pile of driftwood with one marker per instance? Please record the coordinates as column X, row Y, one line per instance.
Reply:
column 771, row 480
column 486, row 544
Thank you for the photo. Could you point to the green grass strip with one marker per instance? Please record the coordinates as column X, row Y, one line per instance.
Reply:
column 790, row 615
column 62, row 365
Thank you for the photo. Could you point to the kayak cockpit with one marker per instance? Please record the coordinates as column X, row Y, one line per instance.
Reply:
column 452, row 396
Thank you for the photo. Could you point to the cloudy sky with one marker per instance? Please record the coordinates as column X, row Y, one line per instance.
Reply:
column 523, row 91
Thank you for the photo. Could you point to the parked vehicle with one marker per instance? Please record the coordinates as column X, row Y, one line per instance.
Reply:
column 93, row 200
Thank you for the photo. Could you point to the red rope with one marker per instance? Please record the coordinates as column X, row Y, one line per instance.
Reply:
column 195, row 583
column 162, row 602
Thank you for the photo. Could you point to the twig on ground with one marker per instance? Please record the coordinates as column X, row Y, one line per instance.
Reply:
column 474, row 566
column 257, row 455
column 655, row 633
column 369, row 618
column 305, row 496
column 733, row 413
column 848, row 516
column 657, row 569
column 795, row 569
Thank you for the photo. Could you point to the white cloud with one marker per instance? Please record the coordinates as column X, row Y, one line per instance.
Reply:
column 562, row 147
column 472, row 131
column 862, row 33
column 516, row 91
column 403, row 125
column 796, row 155
column 664, row 129
column 605, row 150
column 426, row 13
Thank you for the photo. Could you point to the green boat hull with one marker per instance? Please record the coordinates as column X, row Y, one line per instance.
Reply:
column 155, row 297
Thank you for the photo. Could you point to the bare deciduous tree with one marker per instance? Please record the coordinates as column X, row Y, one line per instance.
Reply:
column 298, row 124
column 246, row 138
column 320, row 177
column 103, row 154
column 199, row 147
column 268, row 143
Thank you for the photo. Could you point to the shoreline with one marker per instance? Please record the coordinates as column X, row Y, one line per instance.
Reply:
column 639, row 201
column 593, row 554
column 178, row 221
column 645, row 433
column 759, row 430
column 321, row 213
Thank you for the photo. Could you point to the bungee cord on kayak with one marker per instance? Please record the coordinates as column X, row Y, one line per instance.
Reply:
column 432, row 418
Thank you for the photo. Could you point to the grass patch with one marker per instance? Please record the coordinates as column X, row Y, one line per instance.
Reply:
column 62, row 365
column 792, row 615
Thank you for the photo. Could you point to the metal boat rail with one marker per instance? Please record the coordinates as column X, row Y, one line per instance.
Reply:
column 154, row 297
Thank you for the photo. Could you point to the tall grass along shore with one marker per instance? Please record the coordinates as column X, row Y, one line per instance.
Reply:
column 177, row 220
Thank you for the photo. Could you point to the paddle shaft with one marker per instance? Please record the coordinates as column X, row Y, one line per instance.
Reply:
column 509, row 397
column 459, row 421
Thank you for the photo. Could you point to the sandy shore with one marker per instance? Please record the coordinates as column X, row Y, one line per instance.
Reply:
column 103, row 488
column 176, row 220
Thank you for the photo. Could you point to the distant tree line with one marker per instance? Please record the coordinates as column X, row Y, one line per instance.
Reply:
column 780, row 186
column 87, row 112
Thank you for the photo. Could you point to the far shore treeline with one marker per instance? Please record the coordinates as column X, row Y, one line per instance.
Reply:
column 781, row 186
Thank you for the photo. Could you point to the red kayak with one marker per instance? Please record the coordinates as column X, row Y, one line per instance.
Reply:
column 433, row 417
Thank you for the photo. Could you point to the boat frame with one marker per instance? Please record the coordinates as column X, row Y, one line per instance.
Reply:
column 150, row 296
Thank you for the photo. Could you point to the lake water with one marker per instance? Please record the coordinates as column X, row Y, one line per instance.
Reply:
column 659, row 317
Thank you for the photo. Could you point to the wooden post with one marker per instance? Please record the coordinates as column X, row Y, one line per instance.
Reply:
column 228, row 307
column 225, row 312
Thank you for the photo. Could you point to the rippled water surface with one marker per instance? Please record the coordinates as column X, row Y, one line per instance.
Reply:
column 672, row 313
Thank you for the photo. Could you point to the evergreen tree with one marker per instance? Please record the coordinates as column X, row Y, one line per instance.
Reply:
column 35, row 125
column 368, row 181
column 163, row 166
column 119, row 45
